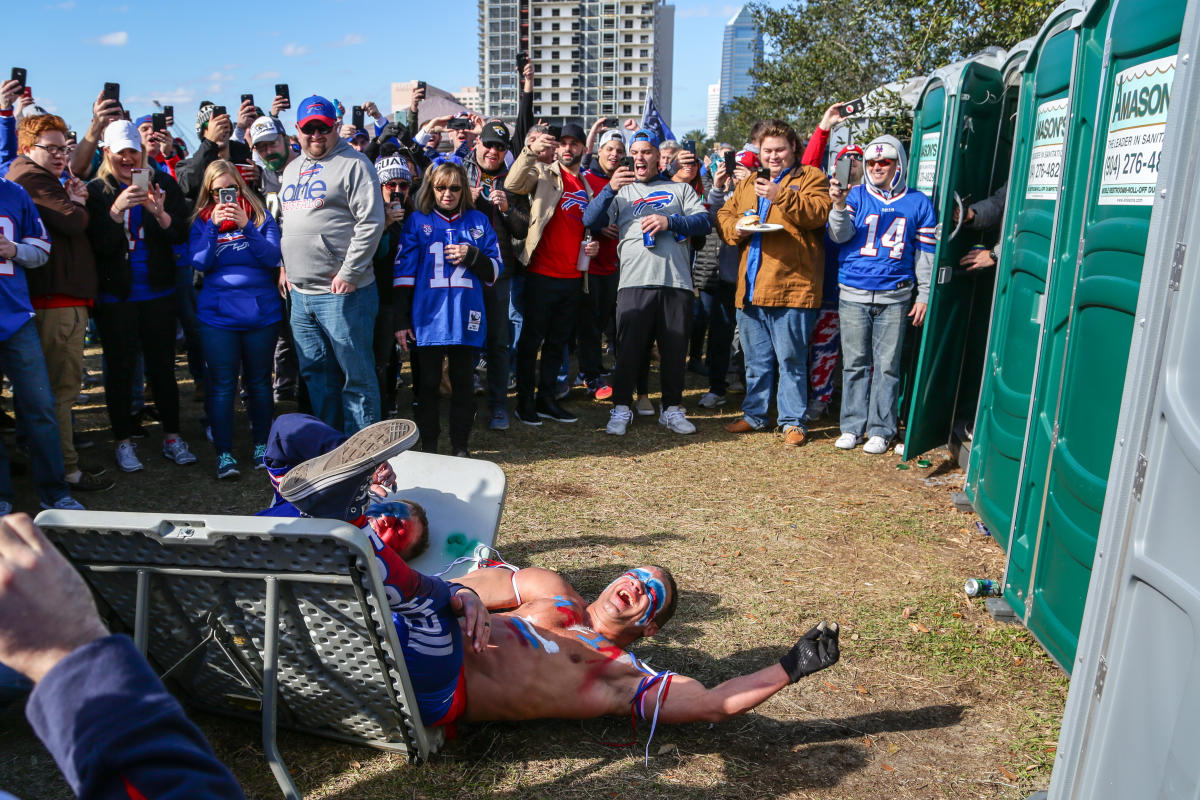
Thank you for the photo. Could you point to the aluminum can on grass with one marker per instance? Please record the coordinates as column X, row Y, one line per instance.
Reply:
column 981, row 587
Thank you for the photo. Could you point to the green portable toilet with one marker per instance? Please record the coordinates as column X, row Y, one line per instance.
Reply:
column 1021, row 274
column 1098, row 254
column 955, row 126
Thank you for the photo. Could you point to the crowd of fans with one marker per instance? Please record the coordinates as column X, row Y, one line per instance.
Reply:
column 491, row 256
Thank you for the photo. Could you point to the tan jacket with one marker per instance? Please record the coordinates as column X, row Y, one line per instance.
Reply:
column 544, row 184
column 792, row 269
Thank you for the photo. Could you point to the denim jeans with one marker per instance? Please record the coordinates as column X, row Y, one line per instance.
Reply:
column 333, row 334
column 719, row 311
column 21, row 360
column 872, row 334
column 230, row 354
column 776, row 338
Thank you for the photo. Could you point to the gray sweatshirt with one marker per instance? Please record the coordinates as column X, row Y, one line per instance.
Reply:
column 333, row 219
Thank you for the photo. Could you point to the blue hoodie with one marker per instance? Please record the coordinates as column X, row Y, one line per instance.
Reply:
column 240, row 291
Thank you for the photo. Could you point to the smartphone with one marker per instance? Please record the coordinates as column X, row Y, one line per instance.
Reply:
column 141, row 178
column 689, row 145
column 764, row 174
column 218, row 111
column 841, row 172
column 854, row 107
column 627, row 162
column 522, row 60
column 356, row 114
column 248, row 97
column 730, row 163
column 460, row 124
column 421, row 85
column 281, row 90
column 169, row 112
column 555, row 131
column 112, row 91
column 159, row 121
column 19, row 74
column 28, row 92
column 227, row 195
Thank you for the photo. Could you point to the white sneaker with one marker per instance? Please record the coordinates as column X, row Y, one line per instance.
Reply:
column 618, row 420
column 847, row 441
column 127, row 458
column 675, row 420
column 644, row 407
column 876, row 445
column 710, row 400
column 177, row 451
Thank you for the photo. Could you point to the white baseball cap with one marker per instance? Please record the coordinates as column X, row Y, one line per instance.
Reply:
column 610, row 136
column 121, row 135
column 264, row 129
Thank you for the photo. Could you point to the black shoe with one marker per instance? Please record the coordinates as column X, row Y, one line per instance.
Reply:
column 551, row 410
column 527, row 412
column 82, row 442
column 89, row 482
column 462, row 454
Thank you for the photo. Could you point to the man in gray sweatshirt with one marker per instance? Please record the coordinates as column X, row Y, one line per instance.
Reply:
column 334, row 217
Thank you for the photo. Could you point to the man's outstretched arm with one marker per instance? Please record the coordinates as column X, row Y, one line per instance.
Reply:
column 688, row 701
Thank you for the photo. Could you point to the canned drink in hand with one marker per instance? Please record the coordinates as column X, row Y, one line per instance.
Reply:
column 584, row 261
column 648, row 238
column 451, row 236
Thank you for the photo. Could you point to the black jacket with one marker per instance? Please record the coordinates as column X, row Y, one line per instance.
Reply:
column 191, row 171
column 111, row 246
column 510, row 226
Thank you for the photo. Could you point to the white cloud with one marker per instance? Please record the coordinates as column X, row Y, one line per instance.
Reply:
column 269, row 75
column 219, row 77
column 349, row 40
column 67, row 5
column 171, row 97
column 293, row 49
column 114, row 39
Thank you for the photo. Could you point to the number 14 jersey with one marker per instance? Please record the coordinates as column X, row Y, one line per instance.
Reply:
column 447, row 299
column 887, row 232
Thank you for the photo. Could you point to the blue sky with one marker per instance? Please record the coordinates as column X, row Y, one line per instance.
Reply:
column 181, row 54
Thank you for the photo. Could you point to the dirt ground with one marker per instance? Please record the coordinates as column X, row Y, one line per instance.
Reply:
column 932, row 698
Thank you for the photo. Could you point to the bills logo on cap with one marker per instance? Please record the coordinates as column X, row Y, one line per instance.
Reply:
column 655, row 200
column 572, row 200
column 427, row 229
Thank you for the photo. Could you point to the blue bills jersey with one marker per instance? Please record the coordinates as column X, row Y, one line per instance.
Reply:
column 887, row 234
column 447, row 299
column 20, row 223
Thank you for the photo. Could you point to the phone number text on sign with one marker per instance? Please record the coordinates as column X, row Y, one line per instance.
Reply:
column 927, row 162
column 1046, row 154
column 1137, row 126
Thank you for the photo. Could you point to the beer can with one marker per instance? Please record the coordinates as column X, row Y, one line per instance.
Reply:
column 981, row 587
column 451, row 236
column 648, row 238
column 584, row 261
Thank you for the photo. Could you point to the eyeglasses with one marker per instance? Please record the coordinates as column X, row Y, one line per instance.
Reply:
column 883, row 162
column 56, row 150
column 444, row 188
column 853, row 156
column 316, row 129
column 396, row 186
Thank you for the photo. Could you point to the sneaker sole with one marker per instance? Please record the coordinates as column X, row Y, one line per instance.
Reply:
column 533, row 423
column 374, row 444
column 557, row 419
column 232, row 474
column 138, row 468
column 649, row 413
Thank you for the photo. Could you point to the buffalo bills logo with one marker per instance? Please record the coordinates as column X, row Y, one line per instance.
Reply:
column 655, row 201
column 313, row 170
column 427, row 230
column 573, row 200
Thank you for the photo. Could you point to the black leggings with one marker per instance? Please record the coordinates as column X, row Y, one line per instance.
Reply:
column 462, row 396
column 126, row 328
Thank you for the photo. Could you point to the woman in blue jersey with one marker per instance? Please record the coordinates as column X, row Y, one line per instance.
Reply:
column 236, row 246
column 448, row 251
column 132, row 231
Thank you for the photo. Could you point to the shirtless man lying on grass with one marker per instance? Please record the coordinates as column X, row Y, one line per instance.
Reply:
column 548, row 654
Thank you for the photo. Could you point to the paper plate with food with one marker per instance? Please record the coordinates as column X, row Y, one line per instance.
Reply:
column 752, row 223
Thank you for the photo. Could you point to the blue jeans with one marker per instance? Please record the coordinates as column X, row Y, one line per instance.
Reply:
column 872, row 334
column 776, row 338
column 230, row 354
column 22, row 361
column 333, row 335
column 719, row 310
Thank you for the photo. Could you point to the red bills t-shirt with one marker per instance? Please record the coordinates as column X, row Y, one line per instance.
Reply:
column 605, row 262
column 557, row 253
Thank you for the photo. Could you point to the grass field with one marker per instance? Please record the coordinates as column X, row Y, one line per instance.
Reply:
column 932, row 698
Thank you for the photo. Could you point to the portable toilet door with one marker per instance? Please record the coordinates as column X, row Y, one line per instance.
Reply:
column 963, row 141
column 1022, row 272
column 1132, row 717
column 1117, row 194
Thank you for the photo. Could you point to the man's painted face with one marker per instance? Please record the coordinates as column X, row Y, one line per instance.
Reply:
column 638, row 588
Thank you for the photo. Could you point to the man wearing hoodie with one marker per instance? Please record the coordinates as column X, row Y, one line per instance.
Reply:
column 333, row 218
column 888, row 235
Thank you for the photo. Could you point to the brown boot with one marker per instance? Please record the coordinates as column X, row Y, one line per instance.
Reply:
column 793, row 436
column 741, row 426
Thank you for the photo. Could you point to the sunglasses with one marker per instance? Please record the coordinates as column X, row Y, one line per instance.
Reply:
column 316, row 129
column 853, row 156
column 396, row 186
column 883, row 162
column 441, row 187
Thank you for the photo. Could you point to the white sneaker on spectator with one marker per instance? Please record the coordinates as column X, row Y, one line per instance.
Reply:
column 618, row 420
column 65, row 503
column 644, row 407
column 710, row 400
column 675, row 420
column 127, row 458
column 847, row 441
column 177, row 450
column 876, row 445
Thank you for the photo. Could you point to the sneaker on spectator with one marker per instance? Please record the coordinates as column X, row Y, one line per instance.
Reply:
column 499, row 421
column 462, row 453
column 561, row 390
column 599, row 389
column 847, row 441
column 90, row 482
column 177, row 450
column 644, row 407
column 736, row 385
column 710, row 400
column 82, row 442
column 618, row 420
column 550, row 409
column 336, row 485
column 66, row 503
column 675, row 420
column 227, row 466
column 876, row 445
column 5, row 508
column 127, row 458
column 527, row 412
column 260, row 452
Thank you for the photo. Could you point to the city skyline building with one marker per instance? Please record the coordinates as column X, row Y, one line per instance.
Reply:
column 714, row 110
column 741, row 52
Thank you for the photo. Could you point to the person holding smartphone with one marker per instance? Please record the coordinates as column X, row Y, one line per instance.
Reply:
column 448, row 253
column 214, row 126
column 132, row 231
column 234, row 243
column 717, row 288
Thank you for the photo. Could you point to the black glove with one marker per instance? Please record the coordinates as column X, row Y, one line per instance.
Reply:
column 815, row 651
column 480, row 264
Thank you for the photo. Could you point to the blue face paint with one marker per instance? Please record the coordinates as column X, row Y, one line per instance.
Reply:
column 388, row 508
column 654, row 589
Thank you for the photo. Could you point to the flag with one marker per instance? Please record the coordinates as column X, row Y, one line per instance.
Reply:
column 653, row 121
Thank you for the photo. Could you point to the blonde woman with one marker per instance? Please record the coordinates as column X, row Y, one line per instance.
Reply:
column 235, row 243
